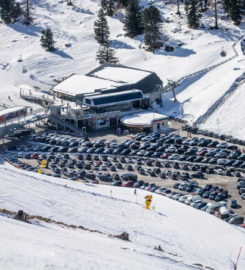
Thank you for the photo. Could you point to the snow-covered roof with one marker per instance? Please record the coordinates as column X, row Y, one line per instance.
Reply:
column 121, row 74
column 142, row 118
column 11, row 110
column 81, row 84
column 26, row 87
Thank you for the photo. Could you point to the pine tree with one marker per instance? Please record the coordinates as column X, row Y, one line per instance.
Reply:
column 16, row 12
column 152, row 23
column 108, row 6
column 193, row 11
column 226, row 5
column 123, row 3
column 6, row 9
column 133, row 24
column 101, row 28
column 203, row 5
column 106, row 54
column 235, row 11
column 47, row 40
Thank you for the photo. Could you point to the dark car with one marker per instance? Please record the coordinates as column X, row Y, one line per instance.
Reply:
column 234, row 204
column 117, row 183
column 236, row 220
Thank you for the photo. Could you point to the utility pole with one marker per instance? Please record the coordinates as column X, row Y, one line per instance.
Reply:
column 217, row 120
column 173, row 84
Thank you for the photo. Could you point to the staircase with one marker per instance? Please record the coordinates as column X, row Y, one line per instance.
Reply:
column 59, row 121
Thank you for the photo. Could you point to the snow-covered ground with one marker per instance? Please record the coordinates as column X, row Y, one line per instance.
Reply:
column 200, row 48
column 187, row 236
column 229, row 119
column 197, row 94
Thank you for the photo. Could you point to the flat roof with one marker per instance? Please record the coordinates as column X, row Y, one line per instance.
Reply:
column 142, row 118
column 81, row 84
column 11, row 110
column 120, row 74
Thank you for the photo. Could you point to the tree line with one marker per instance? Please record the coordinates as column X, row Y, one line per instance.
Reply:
column 234, row 9
column 12, row 11
column 136, row 23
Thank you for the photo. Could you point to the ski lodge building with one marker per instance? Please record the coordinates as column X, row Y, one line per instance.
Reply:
column 146, row 121
column 103, row 96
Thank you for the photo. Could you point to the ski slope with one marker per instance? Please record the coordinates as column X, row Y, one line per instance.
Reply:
column 197, row 94
column 229, row 119
column 187, row 236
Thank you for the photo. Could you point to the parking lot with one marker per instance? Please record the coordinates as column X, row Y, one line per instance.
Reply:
column 199, row 171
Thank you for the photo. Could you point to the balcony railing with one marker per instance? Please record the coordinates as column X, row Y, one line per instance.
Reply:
column 88, row 115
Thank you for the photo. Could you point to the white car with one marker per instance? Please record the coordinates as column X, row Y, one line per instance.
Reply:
column 183, row 198
column 188, row 199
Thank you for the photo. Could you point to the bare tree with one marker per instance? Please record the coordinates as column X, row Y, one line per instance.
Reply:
column 216, row 15
column 28, row 18
column 178, row 11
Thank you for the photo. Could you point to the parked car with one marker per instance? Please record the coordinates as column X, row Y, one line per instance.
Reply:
column 236, row 220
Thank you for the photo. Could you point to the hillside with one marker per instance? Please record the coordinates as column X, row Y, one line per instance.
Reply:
column 73, row 25
column 230, row 117
column 187, row 236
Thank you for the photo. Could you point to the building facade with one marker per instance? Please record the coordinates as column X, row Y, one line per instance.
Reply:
column 99, row 99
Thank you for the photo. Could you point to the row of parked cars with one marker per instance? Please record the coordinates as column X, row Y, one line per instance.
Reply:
column 209, row 191
column 241, row 187
column 227, row 138
column 198, row 150
column 97, row 168
column 172, row 147
column 195, row 200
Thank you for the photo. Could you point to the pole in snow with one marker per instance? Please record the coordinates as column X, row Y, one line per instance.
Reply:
column 238, row 257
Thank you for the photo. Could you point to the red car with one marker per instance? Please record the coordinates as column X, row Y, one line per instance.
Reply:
column 34, row 156
column 165, row 156
column 128, row 184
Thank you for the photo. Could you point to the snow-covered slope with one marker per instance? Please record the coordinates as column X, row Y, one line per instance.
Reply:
column 187, row 236
column 229, row 119
column 74, row 25
column 197, row 94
